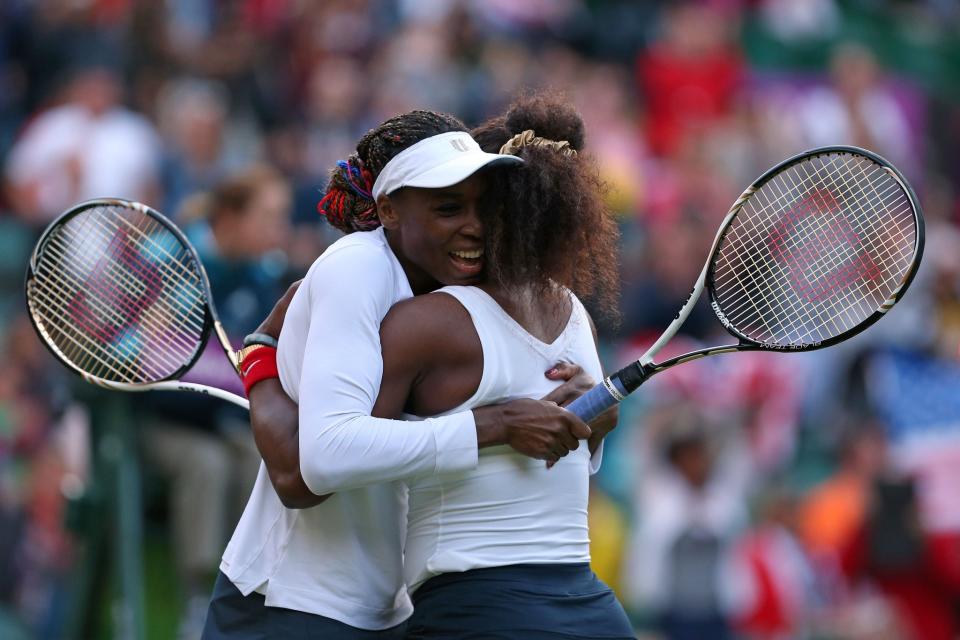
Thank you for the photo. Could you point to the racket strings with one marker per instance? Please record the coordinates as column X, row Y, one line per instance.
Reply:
column 822, row 271
column 187, row 280
column 763, row 270
column 95, row 318
column 815, row 251
column 843, row 256
column 94, row 343
column 145, row 303
column 861, row 204
column 71, row 343
column 753, row 244
column 883, row 286
column 885, row 250
column 119, row 295
column 70, row 305
column 83, row 311
column 819, row 270
column 118, row 285
column 172, row 265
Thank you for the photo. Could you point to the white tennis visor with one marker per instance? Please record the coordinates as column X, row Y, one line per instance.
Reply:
column 438, row 161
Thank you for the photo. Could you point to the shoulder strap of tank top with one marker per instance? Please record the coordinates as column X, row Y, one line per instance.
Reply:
column 579, row 312
column 485, row 324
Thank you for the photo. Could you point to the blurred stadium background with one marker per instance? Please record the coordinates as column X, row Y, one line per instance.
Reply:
column 755, row 496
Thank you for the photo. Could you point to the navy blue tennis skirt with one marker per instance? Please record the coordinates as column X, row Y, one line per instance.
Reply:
column 234, row 616
column 524, row 601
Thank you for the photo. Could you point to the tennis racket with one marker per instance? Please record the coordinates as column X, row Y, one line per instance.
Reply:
column 118, row 295
column 816, row 250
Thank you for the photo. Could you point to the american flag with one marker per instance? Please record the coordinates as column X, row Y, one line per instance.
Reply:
column 918, row 397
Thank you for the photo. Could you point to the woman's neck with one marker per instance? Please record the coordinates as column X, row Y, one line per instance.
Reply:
column 420, row 281
column 544, row 314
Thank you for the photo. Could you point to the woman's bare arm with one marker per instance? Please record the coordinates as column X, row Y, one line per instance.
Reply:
column 531, row 427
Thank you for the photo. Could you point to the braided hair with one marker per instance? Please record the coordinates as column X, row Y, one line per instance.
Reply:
column 348, row 203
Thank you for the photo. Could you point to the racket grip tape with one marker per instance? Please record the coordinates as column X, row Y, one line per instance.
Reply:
column 597, row 400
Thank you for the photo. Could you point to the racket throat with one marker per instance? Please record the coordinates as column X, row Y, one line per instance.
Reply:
column 225, row 343
column 628, row 379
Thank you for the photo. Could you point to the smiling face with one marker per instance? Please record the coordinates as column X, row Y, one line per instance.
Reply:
column 436, row 233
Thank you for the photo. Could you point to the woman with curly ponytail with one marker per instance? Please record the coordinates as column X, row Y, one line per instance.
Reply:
column 410, row 202
column 553, row 227
column 502, row 551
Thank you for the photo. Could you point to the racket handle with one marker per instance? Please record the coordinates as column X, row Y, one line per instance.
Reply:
column 596, row 401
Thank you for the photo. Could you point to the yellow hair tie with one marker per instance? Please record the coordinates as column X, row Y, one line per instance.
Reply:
column 529, row 139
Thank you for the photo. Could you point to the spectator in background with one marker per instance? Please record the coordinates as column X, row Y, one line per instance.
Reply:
column 859, row 108
column 776, row 580
column 88, row 147
column 657, row 281
column 691, row 505
column 336, row 91
column 831, row 520
column 920, row 580
column 202, row 445
column 415, row 68
column 192, row 115
column 33, row 462
column 604, row 96
column 765, row 396
column 908, row 544
column 691, row 76
column 834, row 512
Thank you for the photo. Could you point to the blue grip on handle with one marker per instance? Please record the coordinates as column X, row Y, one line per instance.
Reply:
column 594, row 402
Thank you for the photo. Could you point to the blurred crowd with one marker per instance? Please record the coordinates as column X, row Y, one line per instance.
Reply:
column 753, row 495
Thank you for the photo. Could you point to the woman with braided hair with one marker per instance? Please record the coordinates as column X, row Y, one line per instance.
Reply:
column 335, row 571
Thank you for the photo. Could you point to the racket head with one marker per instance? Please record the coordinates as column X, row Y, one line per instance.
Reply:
column 816, row 250
column 118, row 294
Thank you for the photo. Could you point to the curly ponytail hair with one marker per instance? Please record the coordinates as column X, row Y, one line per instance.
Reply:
column 348, row 203
column 550, row 223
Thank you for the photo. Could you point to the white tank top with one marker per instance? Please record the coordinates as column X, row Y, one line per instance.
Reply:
column 510, row 509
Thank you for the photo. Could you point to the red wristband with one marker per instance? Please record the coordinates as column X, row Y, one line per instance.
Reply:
column 259, row 364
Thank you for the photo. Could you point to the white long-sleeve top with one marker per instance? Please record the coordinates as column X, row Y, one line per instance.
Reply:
column 343, row 558
column 330, row 364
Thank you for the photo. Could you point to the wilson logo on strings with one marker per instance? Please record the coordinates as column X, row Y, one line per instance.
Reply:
column 123, row 281
column 814, row 228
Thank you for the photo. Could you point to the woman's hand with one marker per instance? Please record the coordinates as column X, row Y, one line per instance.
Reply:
column 536, row 428
column 576, row 383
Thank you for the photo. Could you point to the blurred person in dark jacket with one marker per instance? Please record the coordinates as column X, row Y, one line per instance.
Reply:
column 193, row 119
column 834, row 511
